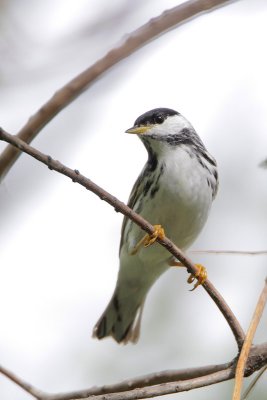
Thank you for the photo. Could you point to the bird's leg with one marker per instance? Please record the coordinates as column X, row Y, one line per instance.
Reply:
column 149, row 239
column 158, row 233
column 201, row 275
column 174, row 263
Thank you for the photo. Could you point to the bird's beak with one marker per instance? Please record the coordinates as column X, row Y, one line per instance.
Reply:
column 139, row 130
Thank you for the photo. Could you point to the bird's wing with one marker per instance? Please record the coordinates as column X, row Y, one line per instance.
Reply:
column 135, row 193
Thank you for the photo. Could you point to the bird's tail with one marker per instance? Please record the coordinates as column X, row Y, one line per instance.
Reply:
column 121, row 319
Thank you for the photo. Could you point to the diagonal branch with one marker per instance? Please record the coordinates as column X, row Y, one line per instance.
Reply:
column 128, row 212
column 38, row 394
column 241, row 364
column 138, row 38
column 157, row 384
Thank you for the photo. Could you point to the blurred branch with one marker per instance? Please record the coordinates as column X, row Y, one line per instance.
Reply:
column 252, row 384
column 231, row 252
column 241, row 364
column 158, row 384
column 38, row 394
column 138, row 38
column 128, row 212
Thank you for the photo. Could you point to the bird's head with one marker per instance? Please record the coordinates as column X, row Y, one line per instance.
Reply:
column 163, row 125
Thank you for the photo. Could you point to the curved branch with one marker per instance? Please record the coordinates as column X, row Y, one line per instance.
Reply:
column 158, row 384
column 128, row 212
column 38, row 394
column 145, row 381
column 258, row 352
column 138, row 38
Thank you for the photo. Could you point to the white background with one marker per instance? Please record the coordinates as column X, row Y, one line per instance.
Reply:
column 59, row 243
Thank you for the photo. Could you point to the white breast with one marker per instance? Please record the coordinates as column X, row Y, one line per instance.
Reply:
column 181, row 205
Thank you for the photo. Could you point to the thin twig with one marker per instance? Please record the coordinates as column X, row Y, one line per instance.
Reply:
column 38, row 394
column 69, row 92
column 240, row 368
column 231, row 252
column 252, row 384
column 157, row 384
column 128, row 212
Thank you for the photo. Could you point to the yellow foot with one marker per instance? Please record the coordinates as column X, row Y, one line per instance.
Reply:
column 201, row 276
column 147, row 240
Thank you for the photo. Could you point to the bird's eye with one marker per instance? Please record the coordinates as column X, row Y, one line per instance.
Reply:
column 159, row 119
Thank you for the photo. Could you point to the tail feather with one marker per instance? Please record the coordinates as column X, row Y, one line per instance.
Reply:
column 122, row 322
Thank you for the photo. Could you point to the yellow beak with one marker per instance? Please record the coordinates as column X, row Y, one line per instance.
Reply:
column 139, row 130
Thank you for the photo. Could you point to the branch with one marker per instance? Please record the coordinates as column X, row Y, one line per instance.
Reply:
column 158, row 384
column 240, row 368
column 64, row 96
column 258, row 357
column 231, row 252
column 38, row 394
column 128, row 212
column 253, row 383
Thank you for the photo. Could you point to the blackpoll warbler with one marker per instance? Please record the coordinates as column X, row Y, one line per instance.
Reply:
column 175, row 189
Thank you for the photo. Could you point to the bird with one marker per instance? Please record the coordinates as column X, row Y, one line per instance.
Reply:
column 175, row 191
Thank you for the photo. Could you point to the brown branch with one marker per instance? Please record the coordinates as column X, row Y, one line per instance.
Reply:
column 240, row 368
column 231, row 252
column 138, row 38
column 158, row 384
column 145, row 381
column 128, row 212
column 258, row 353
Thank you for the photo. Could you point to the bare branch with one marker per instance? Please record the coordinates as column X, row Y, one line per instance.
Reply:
column 258, row 352
column 24, row 385
column 240, row 368
column 128, row 212
column 253, row 383
column 231, row 252
column 158, row 384
column 165, row 388
column 138, row 38
column 145, row 381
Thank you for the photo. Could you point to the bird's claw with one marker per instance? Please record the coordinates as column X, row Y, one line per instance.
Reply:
column 201, row 276
column 158, row 233
column 149, row 239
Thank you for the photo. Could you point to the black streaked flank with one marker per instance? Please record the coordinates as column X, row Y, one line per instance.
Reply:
column 147, row 186
column 152, row 161
column 208, row 158
column 154, row 191
column 156, row 186
column 160, row 172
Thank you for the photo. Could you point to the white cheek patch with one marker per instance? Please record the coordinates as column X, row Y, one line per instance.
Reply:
column 172, row 125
